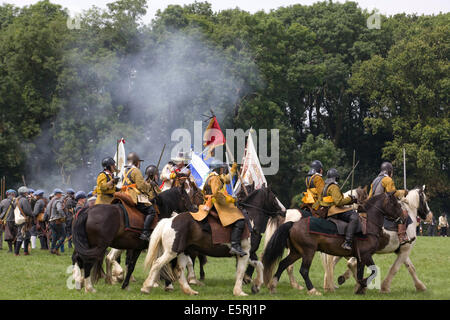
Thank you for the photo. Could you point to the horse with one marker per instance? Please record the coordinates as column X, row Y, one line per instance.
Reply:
column 416, row 204
column 295, row 214
column 174, row 236
column 304, row 245
column 196, row 197
column 102, row 226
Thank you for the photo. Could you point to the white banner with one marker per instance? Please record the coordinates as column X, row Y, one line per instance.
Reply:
column 120, row 161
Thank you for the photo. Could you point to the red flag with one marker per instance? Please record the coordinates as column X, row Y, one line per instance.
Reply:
column 213, row 136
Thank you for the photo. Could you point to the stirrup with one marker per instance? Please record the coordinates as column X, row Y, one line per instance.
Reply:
column 347, row 246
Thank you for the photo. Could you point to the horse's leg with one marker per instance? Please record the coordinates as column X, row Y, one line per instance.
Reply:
column 401, row 258
column 110, row 259
column 259, row 280
column 154, row 271
column 328, row 267
column 242, row 263
column 359, row 288
column 130, row 266
column 183, row 261
column 255, row 240
column 412, row 271
column 292, row 281
column 286, row 262
column 307, row 259
column 87, row 278
column 192, row 279
column 202, row 260
column 77, row 275
column 351, row 269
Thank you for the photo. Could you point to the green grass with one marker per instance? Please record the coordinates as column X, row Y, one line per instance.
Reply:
column 43, row 276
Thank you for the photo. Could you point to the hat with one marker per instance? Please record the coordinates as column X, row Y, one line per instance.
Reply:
column 182, row 157
column 57, row 190
column 90, row 194
column 70, row 190
column 80, row 195
column 39, row 193
column 22, row 190
column 92, row 198
column 11, row 191
column 30, row 190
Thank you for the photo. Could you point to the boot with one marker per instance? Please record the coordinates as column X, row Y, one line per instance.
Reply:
column 402, row 236
column 17, row 246
column 10, row 246
column 145, row 235
column 236, row 234
column 26, row 246
column 351, row 228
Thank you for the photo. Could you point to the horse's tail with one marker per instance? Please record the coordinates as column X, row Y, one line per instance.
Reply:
column 80, row 239
column 274, row 249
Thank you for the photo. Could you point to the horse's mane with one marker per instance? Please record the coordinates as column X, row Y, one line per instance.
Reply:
column 252, row 194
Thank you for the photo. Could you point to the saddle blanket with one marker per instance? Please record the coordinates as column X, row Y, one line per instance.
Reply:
column 329, row 228
column 219, row 233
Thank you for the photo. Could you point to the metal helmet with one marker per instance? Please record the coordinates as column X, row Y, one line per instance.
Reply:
column 108, row 162
column 133, row 158
column 151, row 171
column 22, row 190
column 333, row 174
column 316, row 165
column 387, row 167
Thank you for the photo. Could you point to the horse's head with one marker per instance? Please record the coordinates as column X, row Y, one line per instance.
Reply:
column 392, row 209
column 418, row 199
column 272, row 204
column 241, row 195
column 184, row 202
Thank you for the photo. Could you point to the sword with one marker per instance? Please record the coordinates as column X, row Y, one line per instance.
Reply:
column 349, row 175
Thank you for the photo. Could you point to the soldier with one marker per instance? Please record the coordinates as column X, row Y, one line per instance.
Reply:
column 69, row 208
column 38, row 215
column 176, row 171
column 384, row 183
column 54, row 213
column 139, row 191
column 81, row 198
column 23, row 232
column 229, row 214
column 106, row 183
column 333, row 198
column 7, row 217
column 314, row 185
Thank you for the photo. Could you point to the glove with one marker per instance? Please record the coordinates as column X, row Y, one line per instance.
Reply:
column 173, row 175
column 230, row 199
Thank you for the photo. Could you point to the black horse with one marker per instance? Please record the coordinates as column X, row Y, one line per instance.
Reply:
column 102, row 226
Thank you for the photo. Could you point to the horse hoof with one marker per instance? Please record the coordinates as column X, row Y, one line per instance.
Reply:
column 341, row 280
column 328, row 290
column 92, row 290
column 169, row 288
column 314, row 292
column 132, row 279
column 247, row 279
column 255, row 289
column 421, row 288
column 297, row 286
column 241, row 294
column 145, row 290
column 361, row 291
column 155, row 285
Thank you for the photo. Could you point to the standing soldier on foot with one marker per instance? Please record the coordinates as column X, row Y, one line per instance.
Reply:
column 24, row 229
column 38, row 215
column 7, row 216
column 55, row 215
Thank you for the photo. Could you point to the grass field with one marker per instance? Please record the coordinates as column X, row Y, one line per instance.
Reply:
column 43, row 276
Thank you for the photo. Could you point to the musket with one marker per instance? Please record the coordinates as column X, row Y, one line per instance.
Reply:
column 404, row 169
column 349, row 175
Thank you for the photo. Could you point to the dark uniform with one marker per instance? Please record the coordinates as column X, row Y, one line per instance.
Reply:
column 38, row 214
column 54, row 213
column 7, row 217
column 69, row 209
column 23, row 232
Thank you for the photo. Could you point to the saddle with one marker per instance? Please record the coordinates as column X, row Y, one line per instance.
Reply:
column 333, row 227
column 133, row 218
column 219, row 233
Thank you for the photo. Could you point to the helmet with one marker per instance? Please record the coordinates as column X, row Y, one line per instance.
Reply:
column 133, row 158
column 316, row 165
column 107, row 162
column 151, row 171
column 39, row 193
column 80, row 195
column 70, row 191
column 333, row 174
column 387, row 167
column 22, row 190
column 57, row 190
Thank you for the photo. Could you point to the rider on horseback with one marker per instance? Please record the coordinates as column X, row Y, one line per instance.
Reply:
column 139, row 191
column 175, row 171
column 384, row 183
column 106, row 183
column 333, row 198
column 314, row 185
column 217, row 195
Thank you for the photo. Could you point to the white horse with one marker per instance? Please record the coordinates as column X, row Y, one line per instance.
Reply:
column 416, row 204
column 293, row 215
column 170, row 239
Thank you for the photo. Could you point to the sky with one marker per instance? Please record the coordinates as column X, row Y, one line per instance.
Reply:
column 386, row 7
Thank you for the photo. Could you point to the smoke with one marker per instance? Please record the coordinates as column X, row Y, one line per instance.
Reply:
column 165, row 86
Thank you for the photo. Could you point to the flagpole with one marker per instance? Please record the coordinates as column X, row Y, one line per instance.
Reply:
column 239, row 174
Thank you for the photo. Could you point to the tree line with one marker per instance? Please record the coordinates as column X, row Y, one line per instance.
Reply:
column 317, row 73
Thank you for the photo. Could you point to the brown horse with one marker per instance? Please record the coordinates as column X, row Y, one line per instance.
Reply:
column 303, row 244
column 102, row 226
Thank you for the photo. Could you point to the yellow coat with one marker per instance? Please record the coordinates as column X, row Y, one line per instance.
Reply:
column 389, row 186
column 103, row 191
column 135, row 185
column 335, row 200
column 314, row 195
column 222, row 202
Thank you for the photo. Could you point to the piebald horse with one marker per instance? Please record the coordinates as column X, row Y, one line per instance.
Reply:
column 416, row 204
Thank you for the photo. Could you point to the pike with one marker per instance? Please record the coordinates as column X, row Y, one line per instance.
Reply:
column 349, row 174
column 353, row 173
column 404, row 170
column 160, row 156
